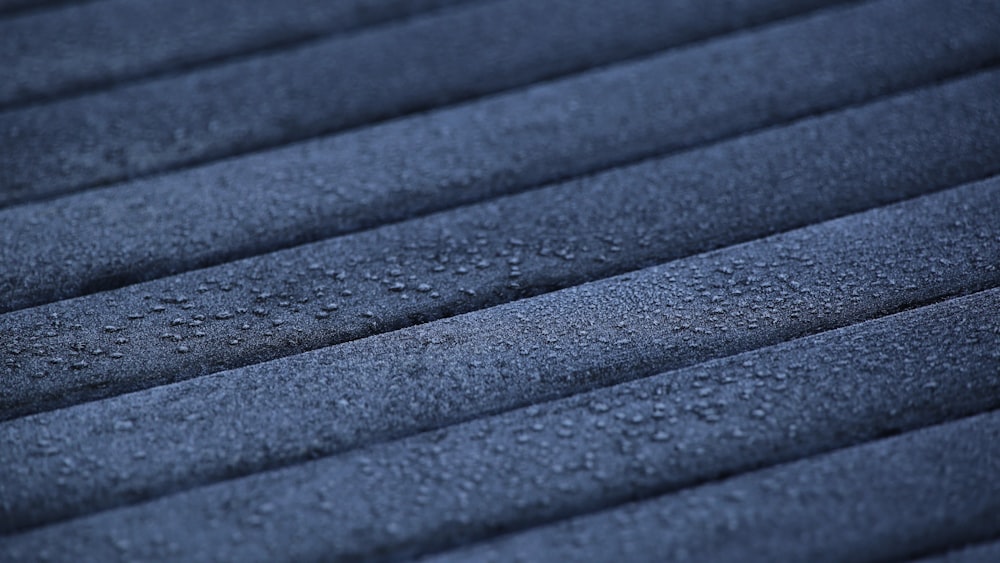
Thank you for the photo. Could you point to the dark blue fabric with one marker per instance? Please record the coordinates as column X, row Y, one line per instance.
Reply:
column 499, row 280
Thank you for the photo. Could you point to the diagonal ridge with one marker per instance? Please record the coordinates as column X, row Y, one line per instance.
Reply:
column 471, row 258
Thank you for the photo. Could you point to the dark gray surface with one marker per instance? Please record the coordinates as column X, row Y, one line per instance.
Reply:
column 96, row 44
column 395, row 384
column 138, row 231
column 555, row 460
column 388, row 71
column 463, row 260
column 886, row 500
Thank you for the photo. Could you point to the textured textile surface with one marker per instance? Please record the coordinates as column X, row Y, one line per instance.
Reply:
column 499, row 280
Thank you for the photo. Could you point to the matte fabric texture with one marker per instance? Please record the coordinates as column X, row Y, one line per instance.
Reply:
column 462, row 260
column 87, row 46
column 499, row 280
column 156, row 125
column 477, row 151
column 595, row 449
column 975, row 553
column 822, row 509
